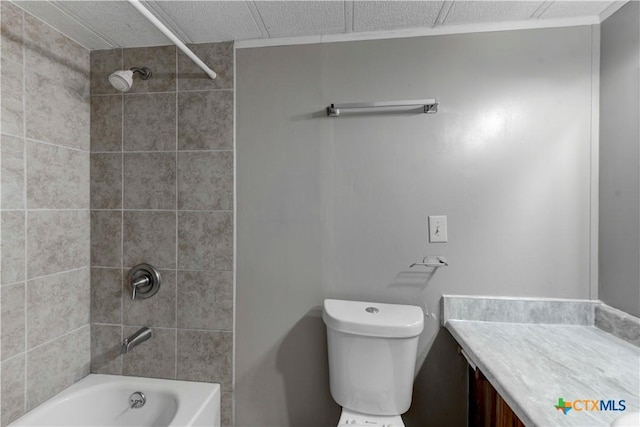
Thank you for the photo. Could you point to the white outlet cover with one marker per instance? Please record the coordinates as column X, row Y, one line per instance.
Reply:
column 437, row 228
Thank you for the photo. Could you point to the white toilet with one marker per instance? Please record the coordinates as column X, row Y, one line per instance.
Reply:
column 372, row 354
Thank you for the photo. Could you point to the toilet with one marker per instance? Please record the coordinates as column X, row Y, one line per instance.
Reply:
column 372, row 351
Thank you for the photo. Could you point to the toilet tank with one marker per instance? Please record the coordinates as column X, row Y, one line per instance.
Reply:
column 372, row 354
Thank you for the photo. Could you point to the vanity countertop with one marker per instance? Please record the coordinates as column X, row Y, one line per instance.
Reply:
column 533, row 365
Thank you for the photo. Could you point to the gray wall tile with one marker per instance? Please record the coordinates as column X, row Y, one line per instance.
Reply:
column 149, row 180
column 150, row 237
column 106, row 295
column 106, row 238
column 106, row 123
column 205, row 300
column 56, row 365
column 226, row 409
column 161, row 60
column 103, row 63
column 205, row 180
column 56, row 177
column 205, row 356
column 150, row 122
column 13, row 241
column 205, row 240
column 56, row 113
column 13, row 320
column 213, row 133
column 12, row 172
column 12, row 101
column 155, row 358
column 56, row 305
column 154, row 187
column 106, row 181
column 12, row 388
column 11, row 32
column 52, row 100
column 218, row 56
column 57, row 241
column 105, row 349
column 50, row 52
column 157, row 311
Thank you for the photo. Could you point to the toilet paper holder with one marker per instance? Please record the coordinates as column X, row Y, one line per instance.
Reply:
column 432, row 261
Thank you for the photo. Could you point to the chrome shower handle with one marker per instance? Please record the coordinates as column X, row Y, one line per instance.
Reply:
column 141, row 282
column 144, row 280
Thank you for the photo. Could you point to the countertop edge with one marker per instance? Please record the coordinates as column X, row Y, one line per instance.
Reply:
column 504, row 393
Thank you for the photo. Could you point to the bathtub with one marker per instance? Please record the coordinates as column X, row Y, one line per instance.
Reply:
column 103, row 400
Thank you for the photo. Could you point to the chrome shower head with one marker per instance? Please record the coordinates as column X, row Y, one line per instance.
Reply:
column 122, row 80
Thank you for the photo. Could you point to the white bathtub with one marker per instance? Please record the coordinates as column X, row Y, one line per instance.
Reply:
column 103, row 400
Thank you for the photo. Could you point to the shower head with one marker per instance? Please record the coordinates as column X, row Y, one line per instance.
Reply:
column 122, row 80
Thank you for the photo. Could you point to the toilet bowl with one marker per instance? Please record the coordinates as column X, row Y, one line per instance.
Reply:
column 372, row 349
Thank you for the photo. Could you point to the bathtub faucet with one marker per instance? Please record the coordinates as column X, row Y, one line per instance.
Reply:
column 138, row 338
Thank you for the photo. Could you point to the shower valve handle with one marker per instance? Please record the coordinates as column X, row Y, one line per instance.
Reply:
column 141, row 282
column 144, row 280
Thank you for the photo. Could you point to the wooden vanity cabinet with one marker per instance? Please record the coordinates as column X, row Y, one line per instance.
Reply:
column 486, row 407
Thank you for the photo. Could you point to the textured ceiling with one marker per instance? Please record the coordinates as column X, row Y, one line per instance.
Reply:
column 103, row 24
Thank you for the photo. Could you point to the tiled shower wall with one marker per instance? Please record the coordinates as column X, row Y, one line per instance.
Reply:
column 44, row 149
column 162, row 193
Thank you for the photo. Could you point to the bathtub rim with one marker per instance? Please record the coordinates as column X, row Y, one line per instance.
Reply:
column 198, row 396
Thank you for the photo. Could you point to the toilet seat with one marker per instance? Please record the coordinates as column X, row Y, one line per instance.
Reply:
column 356, row 419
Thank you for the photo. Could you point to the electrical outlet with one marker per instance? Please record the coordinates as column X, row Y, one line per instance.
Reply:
column 437, row 228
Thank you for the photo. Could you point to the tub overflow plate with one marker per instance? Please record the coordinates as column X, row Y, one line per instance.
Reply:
column 137, row 400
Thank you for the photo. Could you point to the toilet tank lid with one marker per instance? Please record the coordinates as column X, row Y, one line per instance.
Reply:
column 373, row 319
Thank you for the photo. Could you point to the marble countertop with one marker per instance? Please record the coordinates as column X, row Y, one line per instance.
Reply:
column 532, row 365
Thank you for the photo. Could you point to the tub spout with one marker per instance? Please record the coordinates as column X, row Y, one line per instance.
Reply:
column 138, row 338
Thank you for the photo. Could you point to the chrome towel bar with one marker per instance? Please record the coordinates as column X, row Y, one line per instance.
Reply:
column 429, row 106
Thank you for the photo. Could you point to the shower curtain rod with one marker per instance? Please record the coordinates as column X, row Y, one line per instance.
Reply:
column 167, row 32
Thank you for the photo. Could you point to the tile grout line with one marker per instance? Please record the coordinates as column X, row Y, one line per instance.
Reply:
column 163, row 151
column 53, row 144
column 143, row 210
column 175, row 353
column 39, row 141
column 15, row 356
column 166, row 269
column 163, row 92
column 26, row 212
column 235, row 239
column 57, row 273
column 165, row 328
column 122, row 134
column 66, row 334
column 49, row 210
column 90, row 222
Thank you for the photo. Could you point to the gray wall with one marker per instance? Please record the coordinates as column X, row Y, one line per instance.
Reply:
column 337, row 208
column 619, row 228
column 45, row 212
column 162, row 193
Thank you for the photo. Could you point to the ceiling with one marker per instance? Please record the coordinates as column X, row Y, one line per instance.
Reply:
column 110, row 24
